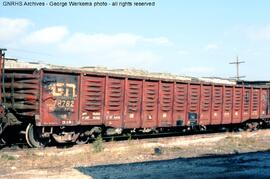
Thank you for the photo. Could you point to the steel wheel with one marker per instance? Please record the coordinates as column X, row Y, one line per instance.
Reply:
column 82, row 140
column 32, row 138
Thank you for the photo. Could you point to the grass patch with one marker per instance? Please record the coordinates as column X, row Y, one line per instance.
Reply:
column 236, row 142
column 8, row 157
column 98, row 144
column 129, row 137
column 174, row 148
column 112, row 139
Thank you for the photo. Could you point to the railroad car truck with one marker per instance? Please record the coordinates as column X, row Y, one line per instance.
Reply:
column 41, row 105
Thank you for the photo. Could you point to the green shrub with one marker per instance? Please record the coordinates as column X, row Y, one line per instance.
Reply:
column 8, row 157
column 98, row 144
column 112, row 139
column 129, row 137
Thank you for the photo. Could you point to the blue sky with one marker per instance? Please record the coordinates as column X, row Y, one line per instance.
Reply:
column 195, row 38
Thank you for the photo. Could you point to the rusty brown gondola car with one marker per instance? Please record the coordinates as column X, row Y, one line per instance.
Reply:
column 74, row 105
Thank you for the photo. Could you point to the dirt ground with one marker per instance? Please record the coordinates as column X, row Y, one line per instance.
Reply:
column 53, row 162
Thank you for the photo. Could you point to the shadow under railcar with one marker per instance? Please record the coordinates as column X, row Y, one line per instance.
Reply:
column 246, row 165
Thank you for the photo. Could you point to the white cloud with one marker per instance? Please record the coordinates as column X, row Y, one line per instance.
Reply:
column 259, row 33
column 211, row 46
column 10, row 29
column 85, row 43
column 113, row 50
column 156, row 41
column 47, row 35
column 122, row 58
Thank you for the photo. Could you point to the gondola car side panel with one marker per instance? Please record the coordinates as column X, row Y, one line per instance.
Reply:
column 180, row 104
column 60, row 100
column 132, row 114
column 227, row 105
column 193, row 104
column 150, row 104
column 263, row 103
column 166, row 104
column 114, row 102
column 92, row 100
column 205, row 111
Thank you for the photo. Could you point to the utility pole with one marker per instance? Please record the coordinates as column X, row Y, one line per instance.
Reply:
column 237, row 63
column 2, row 68
column 2, row 60
column 2, row 57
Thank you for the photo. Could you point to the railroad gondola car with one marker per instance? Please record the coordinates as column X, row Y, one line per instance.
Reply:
column 66, row 105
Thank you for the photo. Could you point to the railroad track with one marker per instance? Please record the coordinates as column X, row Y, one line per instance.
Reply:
column 23, row 145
